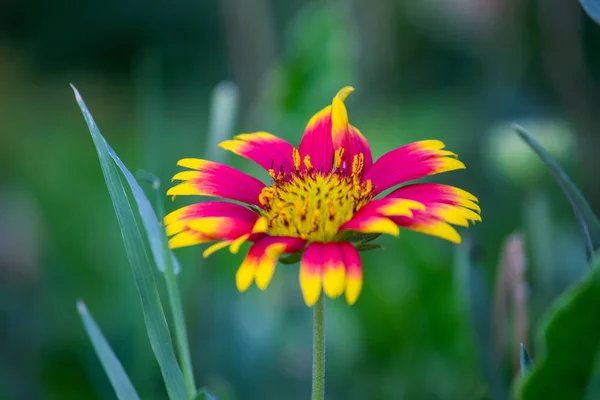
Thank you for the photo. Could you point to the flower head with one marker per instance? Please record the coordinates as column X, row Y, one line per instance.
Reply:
column 320, row 193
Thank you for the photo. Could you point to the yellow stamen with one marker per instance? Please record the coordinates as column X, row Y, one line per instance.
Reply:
column 307, row 163
column 296, row 158
column 312, row 204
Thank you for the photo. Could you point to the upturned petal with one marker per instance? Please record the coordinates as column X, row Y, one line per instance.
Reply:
column 317, row 141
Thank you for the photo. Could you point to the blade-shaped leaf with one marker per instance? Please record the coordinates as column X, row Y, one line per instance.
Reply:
column 592, row 8
column 111, row 364
column 570, row 342
column 154, row 317
column 587, row 220
column 204, row 394
column 525, row 361
column 148, row 216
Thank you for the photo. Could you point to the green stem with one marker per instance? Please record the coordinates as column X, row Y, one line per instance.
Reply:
column 318, row 373
column 181, row 337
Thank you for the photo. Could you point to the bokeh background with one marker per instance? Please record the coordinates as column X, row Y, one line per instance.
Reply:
column 167, row 80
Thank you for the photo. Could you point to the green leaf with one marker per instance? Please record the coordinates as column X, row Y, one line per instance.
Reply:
column 525, row 361
column 154, row 230
column 587, row 220
column 570, row 340
column 291, row 258
column 367, row 247
column 592, row 8
column 204, row 394
column 154, row 317
column 111, row 364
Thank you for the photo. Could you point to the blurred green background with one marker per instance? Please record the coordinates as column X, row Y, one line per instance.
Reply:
column 434, row 321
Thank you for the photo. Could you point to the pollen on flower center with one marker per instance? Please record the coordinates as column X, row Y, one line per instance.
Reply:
column 313, row 205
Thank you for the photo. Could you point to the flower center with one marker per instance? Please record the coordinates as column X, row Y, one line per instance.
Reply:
column 313, row 205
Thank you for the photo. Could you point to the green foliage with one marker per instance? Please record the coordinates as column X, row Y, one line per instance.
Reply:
column 570, row 342
column 587, row 220
column 112, row 366
column 525, row 361
column 156, row 324
column 204, row 394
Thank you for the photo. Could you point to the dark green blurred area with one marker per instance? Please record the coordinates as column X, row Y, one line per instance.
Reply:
column 457, row 70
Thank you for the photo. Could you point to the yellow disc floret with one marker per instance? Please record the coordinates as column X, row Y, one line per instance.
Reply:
column 313, row 205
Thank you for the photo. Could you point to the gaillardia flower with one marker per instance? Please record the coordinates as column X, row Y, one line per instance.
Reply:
column 319, row 194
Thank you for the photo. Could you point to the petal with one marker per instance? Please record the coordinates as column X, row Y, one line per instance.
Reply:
column 213, row 219
column 218, row 180
column 334, row 272
column 215, row 247
column 413, row 161
column 317, row 140
column 349, row 138
column 428, row 193
column 370, row 222
column 310, row 273
column 443, row 202
column 429, row 225
column 392, row 206
column 261, row 260
column 265, row 149
column 354, row 272
column 188, row 237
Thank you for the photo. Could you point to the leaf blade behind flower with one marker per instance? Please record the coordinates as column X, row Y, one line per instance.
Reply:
column 154, row 317
column 112, row 366
column 587, row 220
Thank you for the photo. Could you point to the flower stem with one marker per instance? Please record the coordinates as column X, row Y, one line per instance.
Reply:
column 318, row 373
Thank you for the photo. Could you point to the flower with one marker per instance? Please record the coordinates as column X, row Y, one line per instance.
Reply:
column 320, row 193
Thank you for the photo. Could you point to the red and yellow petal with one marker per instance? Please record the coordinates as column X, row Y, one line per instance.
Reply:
column 334, row 268
column 371, row 222
column 217, row 180
column 259, row 264
column 211, row 212
column 392, row 206
column 210, row 221
column 317, row 141
column 187, row 237
column 413, row 161
column 347, row 136
column 443, row 205
column 265, row 149
column 429, row 225
column 429, row 193
column 354, row 272
column 310, row 273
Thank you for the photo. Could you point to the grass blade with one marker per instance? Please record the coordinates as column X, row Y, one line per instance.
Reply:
column 111, row 364
column 569, row 344
column 587, row 220
column 154, row 317
column 525, row 361
column 148, row 216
